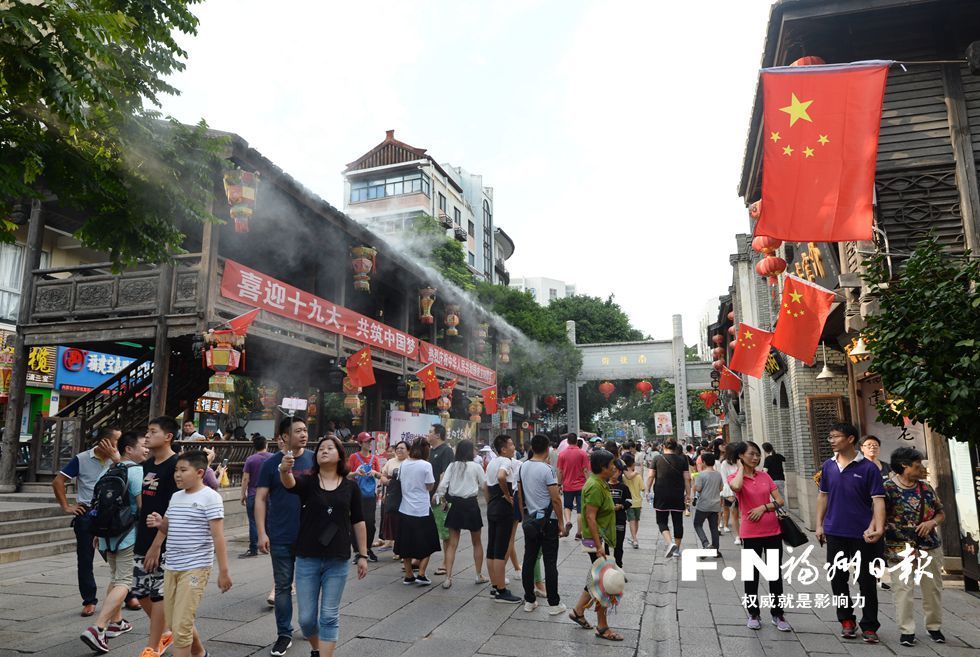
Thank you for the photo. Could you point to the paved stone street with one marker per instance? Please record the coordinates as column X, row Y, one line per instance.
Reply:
column 382, row 617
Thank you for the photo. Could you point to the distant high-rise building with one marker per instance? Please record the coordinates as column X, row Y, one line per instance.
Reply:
column 544, row 290
column 393, row 184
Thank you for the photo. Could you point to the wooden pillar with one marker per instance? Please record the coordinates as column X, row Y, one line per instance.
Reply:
column 161, row 346
column 966, row 171
column 18, row 378
column 941, row 478
column 207, row 278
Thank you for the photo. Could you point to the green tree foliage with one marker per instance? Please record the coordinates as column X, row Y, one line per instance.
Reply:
column 924, row 342
column 74, row 78
column 595, row 320
column 443, row 253
column 631, row 405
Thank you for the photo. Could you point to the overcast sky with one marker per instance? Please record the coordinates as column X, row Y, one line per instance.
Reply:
column 611, row 132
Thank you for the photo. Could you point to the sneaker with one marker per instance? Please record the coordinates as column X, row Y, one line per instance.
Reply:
column 886, row 587
column 282, row 644
column 737, row 541
column 504, row 595
column 677, row 553
column 493, row 591
column 247, row 554
column 557, row 609
column 907, row 640
column 530, row 606
column 118, row 629
column 372, row 557
column 723, row 530
column 754, row 623
column 148, row 652
column 271, row 599
column 538, row 593
column 869, row 636
column 781, row 624
column 165, row 642
column 422, row 580
column 636, row 545
column 848, row 629
column 408, row 580
column 937, row 636
column 95, row 639
column 671, row 549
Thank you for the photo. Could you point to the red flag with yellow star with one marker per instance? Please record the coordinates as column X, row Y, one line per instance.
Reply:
column 427, row 375
column 509, row 399
column 820, row 135
column 751, row 351
column 360, row 369
column 803, row 311
column 489, row 399
column 730, row 381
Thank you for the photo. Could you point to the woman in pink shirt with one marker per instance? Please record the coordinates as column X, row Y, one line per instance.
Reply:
column 758, row 499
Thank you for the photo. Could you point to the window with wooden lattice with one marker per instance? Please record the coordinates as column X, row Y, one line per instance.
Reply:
column 823, row 411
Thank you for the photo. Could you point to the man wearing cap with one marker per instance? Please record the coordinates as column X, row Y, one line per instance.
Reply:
column 365, row 470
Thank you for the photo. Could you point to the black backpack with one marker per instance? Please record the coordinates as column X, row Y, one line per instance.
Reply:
column 112, row 514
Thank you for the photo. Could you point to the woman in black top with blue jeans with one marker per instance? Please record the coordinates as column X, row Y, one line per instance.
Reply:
column 331, row 510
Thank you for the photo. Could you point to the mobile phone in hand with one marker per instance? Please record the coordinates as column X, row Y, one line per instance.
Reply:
column 224, row 463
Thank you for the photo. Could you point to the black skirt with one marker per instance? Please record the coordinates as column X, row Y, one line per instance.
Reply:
column 464, row 513
column 417, row 537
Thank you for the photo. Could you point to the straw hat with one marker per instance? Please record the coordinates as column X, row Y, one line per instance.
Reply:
column 606, row 582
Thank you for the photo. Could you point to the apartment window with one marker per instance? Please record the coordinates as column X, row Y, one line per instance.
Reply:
column 442, row 203
column 487, row 240
column 472, row 259
column 369, row 190
column 552, row 294
column 11, row 273
column 457, row 216
column 471, row 229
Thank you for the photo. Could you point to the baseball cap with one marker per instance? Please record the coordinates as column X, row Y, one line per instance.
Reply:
column 364, row 437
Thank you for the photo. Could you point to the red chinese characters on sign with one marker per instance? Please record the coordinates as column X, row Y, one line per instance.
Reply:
column 456, row 364
column 261, row 291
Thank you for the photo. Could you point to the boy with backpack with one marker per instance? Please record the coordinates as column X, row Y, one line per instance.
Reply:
column 194, row 527
column 115, row 510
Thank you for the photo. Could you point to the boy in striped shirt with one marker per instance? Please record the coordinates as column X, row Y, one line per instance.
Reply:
column 194, row 525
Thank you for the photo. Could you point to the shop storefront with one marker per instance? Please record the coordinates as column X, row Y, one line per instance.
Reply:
column 79, row 371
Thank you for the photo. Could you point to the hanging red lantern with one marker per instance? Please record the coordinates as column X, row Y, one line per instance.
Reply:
column 733, row 344
column 732, row 330
column 240, row 189
column 731, row 315
column 718, row 364
column 452, row 319
column 811, row 60
column 475, row 408
column 644, row 388
column 550, row 401
column 766, row 245
column 223, row 355
column 606, row 388
column 427, row 297
column 755, row 210
column 717, row 353
column 772, row 267
column 717, row 339
column 363, row 260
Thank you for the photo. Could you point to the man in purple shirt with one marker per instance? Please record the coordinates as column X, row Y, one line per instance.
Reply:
column 250, row 477
column 851, row 519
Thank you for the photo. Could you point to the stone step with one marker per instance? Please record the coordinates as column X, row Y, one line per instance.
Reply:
column 36, row 551
column 33, row 498
column 11, row 511
column 43, row 487
column 23, row 539
column 60, row 521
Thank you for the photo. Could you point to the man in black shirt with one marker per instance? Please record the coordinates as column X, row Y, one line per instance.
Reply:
column 773, row 465
column 440, row 456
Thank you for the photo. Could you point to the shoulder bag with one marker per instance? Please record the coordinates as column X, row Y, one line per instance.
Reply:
column 791, row 533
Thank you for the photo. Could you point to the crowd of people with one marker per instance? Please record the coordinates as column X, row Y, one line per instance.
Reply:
column 316, row 510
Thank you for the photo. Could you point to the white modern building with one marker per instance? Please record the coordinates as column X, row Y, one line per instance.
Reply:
column 394, row 183
column 544, row 290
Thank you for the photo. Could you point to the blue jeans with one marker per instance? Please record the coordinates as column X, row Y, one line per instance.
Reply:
column 85, row 553
column 319, row 586
column 253, row 532
column 283, row 563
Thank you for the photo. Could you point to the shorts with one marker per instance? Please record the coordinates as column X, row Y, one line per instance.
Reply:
column 498, row 538
column 572, row 500
column 633, row 513
column 121, row 567
column 147, row 585
column 440, row 517
column 729, row 504
column 183, row 590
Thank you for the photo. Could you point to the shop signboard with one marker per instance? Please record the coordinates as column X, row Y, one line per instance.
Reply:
column 410, row 427
column 211, row 405
column 81, row 370
column 40, row 361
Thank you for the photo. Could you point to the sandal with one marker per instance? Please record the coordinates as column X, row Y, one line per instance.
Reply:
column 440, row 571
column 482, row 579
column 448, row 583
column 584, row 624
column 607, row 634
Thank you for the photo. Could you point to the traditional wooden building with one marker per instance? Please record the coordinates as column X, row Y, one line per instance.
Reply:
column 295, row 263
column 926, row 181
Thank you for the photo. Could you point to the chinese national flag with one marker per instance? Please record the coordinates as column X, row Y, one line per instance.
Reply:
column 752, row 351
column 360, row 369
column 730, row 381
column 490, row 399
column 427, row 375
column 820, row 135
column 510, row 399
column 240, row 325
column 803, row 311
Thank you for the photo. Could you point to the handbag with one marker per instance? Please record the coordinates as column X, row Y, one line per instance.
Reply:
column 791, row 533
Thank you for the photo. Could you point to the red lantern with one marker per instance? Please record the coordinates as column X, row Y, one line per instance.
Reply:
column 766, row 245
column 731, row 315
column 363, row 260
column 550, row 401
column 755, row 210
column 644, row 387
column 771, row 266
column 717, row 339
column 717, row 353
column 718, row 364
column 427, row 297
column 809, row 61
column 733, row 344
column 606, row 388
column 731, row 330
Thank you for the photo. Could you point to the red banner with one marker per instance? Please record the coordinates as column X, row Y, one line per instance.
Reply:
column 456, row 364
column 253, row 288
column 259, row 290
